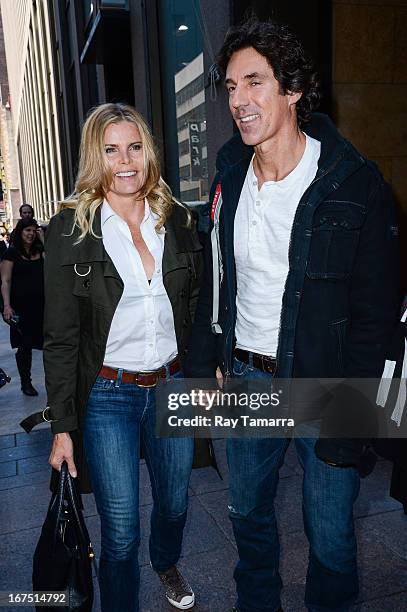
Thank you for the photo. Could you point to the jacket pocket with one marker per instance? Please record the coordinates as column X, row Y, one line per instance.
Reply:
column 334, row 241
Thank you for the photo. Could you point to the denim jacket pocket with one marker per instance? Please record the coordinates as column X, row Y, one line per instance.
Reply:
column 334, row 242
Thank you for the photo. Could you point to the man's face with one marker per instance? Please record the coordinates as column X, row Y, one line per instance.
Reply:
column 260, row 111
column 26, row 212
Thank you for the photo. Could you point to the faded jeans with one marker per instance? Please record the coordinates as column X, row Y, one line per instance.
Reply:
column 119, row 418
column 328, row 497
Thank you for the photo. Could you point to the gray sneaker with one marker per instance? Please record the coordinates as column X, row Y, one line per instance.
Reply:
column 177, row 590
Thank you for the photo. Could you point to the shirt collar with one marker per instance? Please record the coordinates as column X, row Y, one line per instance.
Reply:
column 106, row 213
column 292, row 176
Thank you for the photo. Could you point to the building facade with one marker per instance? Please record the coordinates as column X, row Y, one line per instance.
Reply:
column 10, row 194
column 30, row 53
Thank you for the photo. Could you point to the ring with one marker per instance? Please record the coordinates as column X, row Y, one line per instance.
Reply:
column 44, row 418
column 79, row 274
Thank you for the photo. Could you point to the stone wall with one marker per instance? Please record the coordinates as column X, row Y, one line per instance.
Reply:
column 370, row 85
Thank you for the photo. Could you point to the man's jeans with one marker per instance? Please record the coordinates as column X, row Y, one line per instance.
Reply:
column 328, row 497
column 119, row 417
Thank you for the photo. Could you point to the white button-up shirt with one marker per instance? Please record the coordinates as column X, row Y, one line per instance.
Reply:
column 142, row 333
column 262, row 231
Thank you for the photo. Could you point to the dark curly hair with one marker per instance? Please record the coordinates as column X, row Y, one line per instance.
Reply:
column 18, row 243
column 285, row 54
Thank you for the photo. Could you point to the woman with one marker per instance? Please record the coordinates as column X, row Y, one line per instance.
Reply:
column 22, row 289
column 122, row 274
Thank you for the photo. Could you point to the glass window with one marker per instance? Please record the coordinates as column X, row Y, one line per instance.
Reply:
column 183, row 90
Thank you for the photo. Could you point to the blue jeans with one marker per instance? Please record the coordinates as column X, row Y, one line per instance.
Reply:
column 119, row 418
column 328, row 497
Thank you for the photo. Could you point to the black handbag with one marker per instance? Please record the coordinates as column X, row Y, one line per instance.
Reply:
column 63, row 556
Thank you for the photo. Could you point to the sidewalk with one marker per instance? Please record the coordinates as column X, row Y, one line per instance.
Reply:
column 209, row 552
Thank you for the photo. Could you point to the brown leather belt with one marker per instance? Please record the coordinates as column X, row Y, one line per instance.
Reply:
column 261, row 362
column 142, row 379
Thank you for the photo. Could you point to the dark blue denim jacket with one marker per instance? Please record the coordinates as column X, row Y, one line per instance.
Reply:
column 341, row 297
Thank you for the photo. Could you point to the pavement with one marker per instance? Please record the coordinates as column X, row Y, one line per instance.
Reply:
column 209, row 552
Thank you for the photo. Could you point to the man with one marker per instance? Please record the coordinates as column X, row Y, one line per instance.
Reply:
column 26, row 211
column 306, row 241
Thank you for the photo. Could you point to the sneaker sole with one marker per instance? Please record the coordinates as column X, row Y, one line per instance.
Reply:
column 180, row 606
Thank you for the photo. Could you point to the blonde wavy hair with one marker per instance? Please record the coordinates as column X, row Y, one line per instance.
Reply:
column 95, row 176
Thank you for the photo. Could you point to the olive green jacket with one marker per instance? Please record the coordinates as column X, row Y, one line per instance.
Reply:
column 82, row 291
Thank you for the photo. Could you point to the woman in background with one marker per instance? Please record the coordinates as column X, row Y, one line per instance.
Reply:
column 22, row 289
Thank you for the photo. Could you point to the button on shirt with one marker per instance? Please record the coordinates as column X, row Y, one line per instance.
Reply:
column 262, row 232
column 142, row 333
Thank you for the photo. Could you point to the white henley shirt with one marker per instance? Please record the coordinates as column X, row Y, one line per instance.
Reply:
column 262, row 232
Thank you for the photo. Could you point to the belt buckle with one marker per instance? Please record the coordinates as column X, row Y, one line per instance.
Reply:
column 267, row 364
column 271, row 367
column 154, row 384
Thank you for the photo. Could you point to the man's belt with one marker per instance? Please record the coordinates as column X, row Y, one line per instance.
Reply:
column 142, row 379
column 261, row 362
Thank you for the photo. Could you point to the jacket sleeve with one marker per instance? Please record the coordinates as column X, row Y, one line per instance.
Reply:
column 374, row 295
column 61, row 329
column 201, row 360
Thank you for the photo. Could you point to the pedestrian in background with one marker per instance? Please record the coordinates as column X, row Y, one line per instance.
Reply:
column 3, row 244
column 3, row 251
column 26, row 211
column 22, row 289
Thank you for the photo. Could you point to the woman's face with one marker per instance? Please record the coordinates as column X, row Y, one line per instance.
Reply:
column 124, row 153
column 28, row 235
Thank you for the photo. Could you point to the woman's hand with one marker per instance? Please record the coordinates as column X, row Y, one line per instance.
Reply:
column 6, row 271
column 8, row 312
column 62, row 450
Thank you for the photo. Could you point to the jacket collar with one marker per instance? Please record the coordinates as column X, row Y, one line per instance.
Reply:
column 338, row 161
column 235, row 155
column 87, row 250
column 178, row 239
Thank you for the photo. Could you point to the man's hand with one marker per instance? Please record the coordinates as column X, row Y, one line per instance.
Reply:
column 62, row 450
column 219, row 378
column 204, row 399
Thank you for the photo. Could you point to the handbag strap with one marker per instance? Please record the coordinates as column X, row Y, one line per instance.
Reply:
column 57, row 500
column 71, row 495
